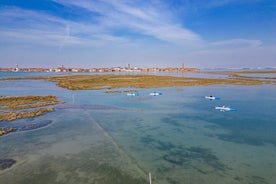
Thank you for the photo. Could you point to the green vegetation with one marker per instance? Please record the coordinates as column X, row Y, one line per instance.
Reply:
column 111, row 81
column 17, row 107
column 10, row 116
column 4, row 131
column 26, row 102
column 82, row 82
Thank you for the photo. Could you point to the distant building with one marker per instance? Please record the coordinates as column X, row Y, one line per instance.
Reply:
column 16, row 68
column 182, row 69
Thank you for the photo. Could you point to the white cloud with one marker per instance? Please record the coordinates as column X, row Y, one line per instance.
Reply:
column 142, row 19
column 112, row 31
column 32, row 27
column 44, row 29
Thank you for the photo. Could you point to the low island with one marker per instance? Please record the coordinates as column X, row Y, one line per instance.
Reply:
column 136, row 81
column 18, row 107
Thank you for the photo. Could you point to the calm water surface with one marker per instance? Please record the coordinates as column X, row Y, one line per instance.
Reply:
column 111, row 138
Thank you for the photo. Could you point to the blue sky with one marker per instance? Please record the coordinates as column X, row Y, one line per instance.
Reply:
column 142, row 33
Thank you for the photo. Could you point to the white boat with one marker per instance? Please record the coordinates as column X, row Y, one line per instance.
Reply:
column 224, row 108
column 132, row 94
column 155, row 94
column 211, row 97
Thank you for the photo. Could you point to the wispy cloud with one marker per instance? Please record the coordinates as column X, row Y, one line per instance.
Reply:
column 145, row 19
column 151, row 30
column 129, row 19
column 33, row 27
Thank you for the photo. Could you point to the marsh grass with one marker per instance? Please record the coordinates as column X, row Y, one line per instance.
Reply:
column 140, row 81
column 26, row 102
column 18, row 107
column 111, row 81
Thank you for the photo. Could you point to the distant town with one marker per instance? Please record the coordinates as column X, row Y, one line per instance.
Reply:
column 105, row 69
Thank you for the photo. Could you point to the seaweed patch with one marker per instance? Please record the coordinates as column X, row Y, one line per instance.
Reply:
column 257, row 180
column 165, row 145
column 147, row 139
column 236, row 138
column 23, row 126
column 6, row 163
column 194, row 157
column 201, row 159
column 36, row 125
column 170, row 121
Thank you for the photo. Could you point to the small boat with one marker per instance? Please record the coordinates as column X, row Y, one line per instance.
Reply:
column 225, row 108
column 155, row 94
column 132, row 94
column 212, row 97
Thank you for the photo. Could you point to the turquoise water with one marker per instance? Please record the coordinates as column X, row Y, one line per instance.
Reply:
column 112, row 138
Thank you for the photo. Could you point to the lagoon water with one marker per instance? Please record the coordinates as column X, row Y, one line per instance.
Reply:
column 178, row 137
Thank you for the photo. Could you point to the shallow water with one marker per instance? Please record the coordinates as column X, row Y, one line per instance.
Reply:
column 112, row 138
